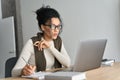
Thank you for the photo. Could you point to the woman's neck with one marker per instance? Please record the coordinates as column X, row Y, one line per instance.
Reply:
column 47, row 38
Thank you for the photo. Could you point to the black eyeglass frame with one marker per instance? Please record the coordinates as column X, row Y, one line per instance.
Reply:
column 52, row 26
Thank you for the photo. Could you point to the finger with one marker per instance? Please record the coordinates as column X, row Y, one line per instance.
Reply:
column 28, row 71
column 45, row 44
column 36, row 43
column 28, row 67
column 34, row 68
column 25, row 72
column 41, row 45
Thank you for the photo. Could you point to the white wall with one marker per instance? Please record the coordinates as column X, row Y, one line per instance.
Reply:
column 83, row 19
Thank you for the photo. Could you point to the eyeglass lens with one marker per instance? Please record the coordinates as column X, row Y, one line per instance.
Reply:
column 54, row 27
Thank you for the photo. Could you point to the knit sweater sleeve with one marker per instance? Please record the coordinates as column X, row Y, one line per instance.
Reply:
column 26, row 53
column 61, row 56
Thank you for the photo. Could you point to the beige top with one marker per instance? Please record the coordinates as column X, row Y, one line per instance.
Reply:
column 29, row 55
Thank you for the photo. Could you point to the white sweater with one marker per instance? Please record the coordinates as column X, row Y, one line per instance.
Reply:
column 29, row 55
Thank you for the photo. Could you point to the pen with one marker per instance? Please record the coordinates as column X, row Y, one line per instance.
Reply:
column 27, row 64
column 25, row 61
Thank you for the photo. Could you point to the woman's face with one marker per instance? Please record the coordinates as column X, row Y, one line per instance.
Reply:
column 52, row 29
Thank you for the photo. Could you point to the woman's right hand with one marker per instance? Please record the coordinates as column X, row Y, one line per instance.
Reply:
column 28, row 70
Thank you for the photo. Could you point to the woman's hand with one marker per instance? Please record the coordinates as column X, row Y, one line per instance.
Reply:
column 28, row 70
column 42, row 44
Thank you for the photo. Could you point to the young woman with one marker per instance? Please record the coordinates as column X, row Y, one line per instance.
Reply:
column 45, row 51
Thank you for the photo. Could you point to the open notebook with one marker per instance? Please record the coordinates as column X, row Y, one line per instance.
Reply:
column 38, row 75
column 57, row 76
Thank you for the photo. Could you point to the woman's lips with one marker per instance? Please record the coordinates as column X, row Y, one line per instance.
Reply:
column 55, row 34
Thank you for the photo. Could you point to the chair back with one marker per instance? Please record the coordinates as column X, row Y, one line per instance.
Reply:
column 9, row 66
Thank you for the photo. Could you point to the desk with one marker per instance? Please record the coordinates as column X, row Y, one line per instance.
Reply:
column 102, row 73
column 105, row 73
column 16, row 78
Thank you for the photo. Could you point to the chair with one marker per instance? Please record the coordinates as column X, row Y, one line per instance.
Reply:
column 9, row 65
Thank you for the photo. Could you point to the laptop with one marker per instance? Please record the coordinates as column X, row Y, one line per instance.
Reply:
column 89, row 55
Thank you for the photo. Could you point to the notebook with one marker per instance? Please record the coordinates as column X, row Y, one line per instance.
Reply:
column 89, row 55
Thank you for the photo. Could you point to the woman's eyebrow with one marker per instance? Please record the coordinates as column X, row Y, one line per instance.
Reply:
column 56, row 25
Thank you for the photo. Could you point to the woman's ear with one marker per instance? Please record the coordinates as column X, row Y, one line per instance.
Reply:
column 42, row 27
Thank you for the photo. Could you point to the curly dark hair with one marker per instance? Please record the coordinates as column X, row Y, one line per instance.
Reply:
column 44, row 14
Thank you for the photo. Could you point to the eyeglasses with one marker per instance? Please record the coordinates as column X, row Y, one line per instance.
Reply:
column 52, row 26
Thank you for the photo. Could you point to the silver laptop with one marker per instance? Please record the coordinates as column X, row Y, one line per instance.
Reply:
column 89, row 55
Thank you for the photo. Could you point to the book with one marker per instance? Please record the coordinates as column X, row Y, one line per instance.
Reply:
column 66, row 76
column 108, row 62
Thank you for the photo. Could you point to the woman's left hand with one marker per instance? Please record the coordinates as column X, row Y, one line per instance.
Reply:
column 42, row 44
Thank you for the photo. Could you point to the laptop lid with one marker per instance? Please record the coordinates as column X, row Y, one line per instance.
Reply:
column 89, row 55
